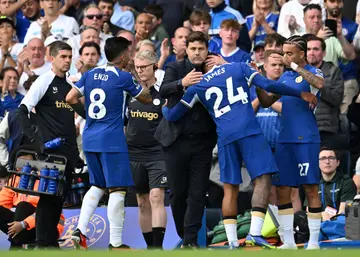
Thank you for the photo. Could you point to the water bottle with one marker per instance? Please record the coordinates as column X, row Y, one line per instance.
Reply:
column 24, row 179
column 32, row 180
column 74, row 193
column 43, row 181
column 55, row 143
column 81, row 188
column 52, row 186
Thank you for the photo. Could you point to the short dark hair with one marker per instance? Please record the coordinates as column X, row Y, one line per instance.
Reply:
column 107, row 1
column 197, row 36
column 311, row 7
column 276, row 38
column 199, row 15
column 3, row 71
column 154, row 9
column 115, row 46
column 90, row 44
column 57, row 46
column 312, row 37
column 326, row 148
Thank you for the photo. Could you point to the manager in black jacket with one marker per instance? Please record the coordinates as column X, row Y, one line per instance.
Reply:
column 188, row 143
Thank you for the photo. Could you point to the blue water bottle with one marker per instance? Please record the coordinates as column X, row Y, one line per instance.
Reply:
column 32, row 180
column 55, row 143
column 24, row 179
column 43, row 181
column 52, row 186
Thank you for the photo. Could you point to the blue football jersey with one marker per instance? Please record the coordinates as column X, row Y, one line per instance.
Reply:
column 237, row 55
column 298, row 123
column 348, row 68
column 105, row 89
column 214, row 44
column 224, row 92
column 271, row 19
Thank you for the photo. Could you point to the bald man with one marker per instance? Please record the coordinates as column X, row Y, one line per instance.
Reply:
column 32, row 61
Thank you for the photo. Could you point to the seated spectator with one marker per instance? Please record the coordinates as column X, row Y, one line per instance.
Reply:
column 291, row 19
column 53, row 23
column 20, row 225
column 335, row 188
column 107, row 8
column 328, row 108
column 178, row 48
column 274, row 41
column 74, row 9
column 259, row 53
column 3, row 176
column 144, row 29
column 263, row 22
column 11, row 98
column 129, row 36
column 9, row 48
column 229, row 52
column 93, row 17
column 32, row 61
column 158, row 31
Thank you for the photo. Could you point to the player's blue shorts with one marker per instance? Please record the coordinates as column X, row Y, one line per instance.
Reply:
column 298, row 164
column 109, row 170
column 256, row 153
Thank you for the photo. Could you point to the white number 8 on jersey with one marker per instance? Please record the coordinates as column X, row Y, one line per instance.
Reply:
column 97, row 103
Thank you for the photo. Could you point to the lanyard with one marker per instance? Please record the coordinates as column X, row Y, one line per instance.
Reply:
column 332, row 195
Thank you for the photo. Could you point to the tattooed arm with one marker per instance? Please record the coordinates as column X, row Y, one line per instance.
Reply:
column 314, row 80
column 145, row 96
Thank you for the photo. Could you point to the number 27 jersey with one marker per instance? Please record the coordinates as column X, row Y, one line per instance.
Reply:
column 224, row 92
column 105, row 89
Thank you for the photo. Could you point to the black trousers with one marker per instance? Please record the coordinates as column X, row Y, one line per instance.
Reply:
column 22, row 211
column 188, row 162
column 49, row 209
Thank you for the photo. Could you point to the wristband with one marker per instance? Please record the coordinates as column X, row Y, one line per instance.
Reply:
column 293, row 66
column 23, row 224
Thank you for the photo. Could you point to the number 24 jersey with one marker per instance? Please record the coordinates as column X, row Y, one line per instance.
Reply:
column 224, row 92
column 105, row 89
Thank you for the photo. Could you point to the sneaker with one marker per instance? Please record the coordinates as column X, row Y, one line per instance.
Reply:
column 79, row 240
column 192, row 246
column 259, row 241
column 288, row 247
column 312, row 247
column 118, row 248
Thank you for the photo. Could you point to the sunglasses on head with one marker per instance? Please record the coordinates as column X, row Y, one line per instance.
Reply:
column 92, row 16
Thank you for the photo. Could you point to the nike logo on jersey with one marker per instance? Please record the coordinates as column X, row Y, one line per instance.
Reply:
column 163, row 180
column 55, row 90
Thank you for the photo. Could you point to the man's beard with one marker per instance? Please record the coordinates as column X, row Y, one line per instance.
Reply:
column 335, row 12
column 35, row 17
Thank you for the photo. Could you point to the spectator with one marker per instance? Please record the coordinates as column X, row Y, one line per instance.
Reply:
column 263, row 22
column 229, row 52
column 335, row 188
column 122, row 17
column 129, row 36
column 336, row 47
column 291, row 20
column 143, row 27
column 10, row 49
column 200, row 20
column 178, row 48
column 158, row 30
column 93, row 17
column 107, row 8
column 53, row 23
column 328, row 109
column 3, row 177
column 259, row 53
column 334, row 10
column 32, row 61
column 219, row 12
column 274, row 42
column 74, row 9
column 89, row 57
column 11, row 99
